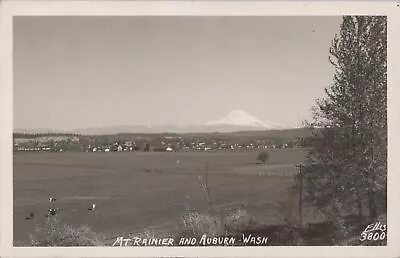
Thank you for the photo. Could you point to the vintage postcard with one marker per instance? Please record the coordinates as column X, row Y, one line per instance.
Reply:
column 212, row 129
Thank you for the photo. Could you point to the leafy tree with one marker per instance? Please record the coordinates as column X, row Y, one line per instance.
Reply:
column 348, row 161
column 263, row 156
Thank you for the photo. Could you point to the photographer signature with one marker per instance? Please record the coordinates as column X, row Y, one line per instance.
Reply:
column 375, row 231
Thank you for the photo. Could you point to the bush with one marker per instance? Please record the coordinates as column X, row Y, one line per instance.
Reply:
column 199, row 224
column 238, row 220
column 290, row 236
column 53, row 233
column 216, row 225
column 263, row 156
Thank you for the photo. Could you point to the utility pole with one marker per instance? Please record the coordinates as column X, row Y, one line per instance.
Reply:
column 300, row 194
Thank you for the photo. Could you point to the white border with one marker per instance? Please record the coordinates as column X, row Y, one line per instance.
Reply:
column 8, row 9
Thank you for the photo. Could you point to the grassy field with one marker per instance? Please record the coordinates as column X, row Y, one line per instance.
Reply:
column 138, row 191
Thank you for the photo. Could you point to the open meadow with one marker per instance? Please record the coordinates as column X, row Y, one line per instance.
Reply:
column 136, row 191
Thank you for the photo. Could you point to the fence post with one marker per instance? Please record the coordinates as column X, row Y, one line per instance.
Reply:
column 300, row 195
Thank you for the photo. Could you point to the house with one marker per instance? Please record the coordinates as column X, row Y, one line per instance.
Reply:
column 128, row 143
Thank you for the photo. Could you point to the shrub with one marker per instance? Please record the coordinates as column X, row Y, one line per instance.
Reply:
column 216, row 225
column 263, row 156
column 199, row 224
column 238, row 220
column 54, row 233
column 290, row 236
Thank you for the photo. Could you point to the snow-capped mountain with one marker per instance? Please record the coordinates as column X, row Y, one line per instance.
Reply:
column 239, row 118
column 236, row 120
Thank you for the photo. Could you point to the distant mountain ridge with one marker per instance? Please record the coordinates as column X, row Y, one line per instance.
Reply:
column 235, row 121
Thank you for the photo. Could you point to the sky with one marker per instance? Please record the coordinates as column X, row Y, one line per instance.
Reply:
column 80, row 72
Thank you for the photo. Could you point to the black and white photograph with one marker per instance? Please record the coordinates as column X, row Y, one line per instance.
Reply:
column 162, row 130
column 200, row 131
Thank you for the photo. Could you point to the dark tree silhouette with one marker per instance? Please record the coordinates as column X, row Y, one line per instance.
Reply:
column 347, row 168
column 263, row 156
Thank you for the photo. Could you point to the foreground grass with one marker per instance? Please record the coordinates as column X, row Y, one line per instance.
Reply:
column 54, row 233
column 195, row 224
